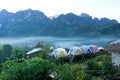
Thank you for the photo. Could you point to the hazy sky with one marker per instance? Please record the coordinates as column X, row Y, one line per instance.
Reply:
column 95, row 8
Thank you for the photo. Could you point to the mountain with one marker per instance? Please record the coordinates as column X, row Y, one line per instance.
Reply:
column 36, row 23
column 74, row 25
column 24, row 23
column 112, row 30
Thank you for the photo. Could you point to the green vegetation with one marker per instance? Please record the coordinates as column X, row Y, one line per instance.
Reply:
column 30, row 69
column 42, row 67
column 5, row 52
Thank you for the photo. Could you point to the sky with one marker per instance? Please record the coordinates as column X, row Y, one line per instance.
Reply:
column 95, row 8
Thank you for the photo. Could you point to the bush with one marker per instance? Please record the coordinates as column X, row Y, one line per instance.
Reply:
column 108, row 67
column 33, row 69
column 69, row 72
column 90, row 77
column 93, row 68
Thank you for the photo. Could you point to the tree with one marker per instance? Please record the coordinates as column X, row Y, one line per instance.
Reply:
column 18, row 54
column 6, row 50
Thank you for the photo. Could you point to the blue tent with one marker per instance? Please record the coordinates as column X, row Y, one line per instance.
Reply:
column 93, row 48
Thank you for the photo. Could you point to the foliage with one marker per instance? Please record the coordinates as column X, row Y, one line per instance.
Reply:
column 108, row 68
column 19, row 67
column 93, row 68
column 43, row 54
column 101, row 65
column 45, row 50
column 41, row 45
column 17, row 54
column 69, row 72
column 31, row 69
column 90, row 77
column 5, row 53
column 7, row 49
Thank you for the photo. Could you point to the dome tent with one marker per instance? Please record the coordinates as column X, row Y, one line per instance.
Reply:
column 74, row 54
column 93, row 48
column 75, row 51
column 100, row 49
column 59, row 53
column 84, row 49
column 51, row 48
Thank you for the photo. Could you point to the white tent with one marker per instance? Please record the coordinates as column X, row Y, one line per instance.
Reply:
column 100, row 48
column 84, row 49
column 59, row 52
column 75, row 51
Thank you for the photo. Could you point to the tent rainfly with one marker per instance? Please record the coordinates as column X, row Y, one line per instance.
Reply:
column 75, row 51
column 100, row 48
column 84, row 49
column 59, row 52
column 93, row 48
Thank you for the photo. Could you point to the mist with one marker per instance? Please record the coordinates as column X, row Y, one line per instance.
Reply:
column 57, row 42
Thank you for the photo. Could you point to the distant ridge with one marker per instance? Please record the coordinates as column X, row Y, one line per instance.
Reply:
column 35, row 23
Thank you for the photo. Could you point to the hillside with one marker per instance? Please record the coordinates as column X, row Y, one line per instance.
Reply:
column 36, row 23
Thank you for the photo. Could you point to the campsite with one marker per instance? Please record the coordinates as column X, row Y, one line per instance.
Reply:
column 85, row 62
column 59, row 40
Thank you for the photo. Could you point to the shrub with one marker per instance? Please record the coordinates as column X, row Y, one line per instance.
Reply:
column 93, row 68
column 108, row 67
column 69, row 72
column 32, row 69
